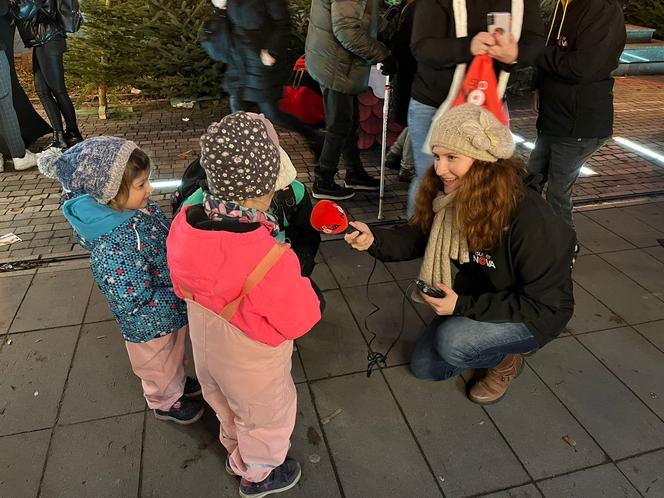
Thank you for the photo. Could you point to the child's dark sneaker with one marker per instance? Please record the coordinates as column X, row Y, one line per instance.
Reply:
column 192, row 389
column 184, row 412
column 280, row 479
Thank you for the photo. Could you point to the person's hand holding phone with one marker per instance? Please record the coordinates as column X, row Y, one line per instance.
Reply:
column 481, row 43
column 362, row 238
column 443, row 306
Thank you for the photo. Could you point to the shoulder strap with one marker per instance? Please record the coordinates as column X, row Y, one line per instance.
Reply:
column 258, row 273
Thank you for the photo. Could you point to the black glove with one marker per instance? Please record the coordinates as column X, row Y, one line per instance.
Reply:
column 389, row 66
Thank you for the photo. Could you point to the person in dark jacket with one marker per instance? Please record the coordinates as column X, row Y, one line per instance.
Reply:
column 513, row 290
column 443, row 45
column 256, row 57
column 41, row 29
column 575, row 97
column 340, row 49
column 31, row 124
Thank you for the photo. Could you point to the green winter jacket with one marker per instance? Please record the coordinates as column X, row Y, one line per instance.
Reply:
column 341, row 43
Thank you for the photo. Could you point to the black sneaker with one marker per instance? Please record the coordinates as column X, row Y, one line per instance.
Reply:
column 392, row 161
column 184, row 412
column 73, row 137
column 324, row 189
column 280, row 479
column 360, row 180
column 192, row 389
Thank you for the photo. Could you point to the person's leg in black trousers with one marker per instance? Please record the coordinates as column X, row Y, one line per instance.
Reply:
column 50, row 83
column 356, row 176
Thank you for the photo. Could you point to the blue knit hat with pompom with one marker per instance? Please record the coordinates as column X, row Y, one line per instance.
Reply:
column 94, row 166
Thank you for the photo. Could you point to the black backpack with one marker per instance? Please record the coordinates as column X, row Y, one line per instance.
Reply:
column 193, row 178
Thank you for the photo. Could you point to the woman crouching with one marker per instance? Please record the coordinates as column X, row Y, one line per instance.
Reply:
column 513, row 290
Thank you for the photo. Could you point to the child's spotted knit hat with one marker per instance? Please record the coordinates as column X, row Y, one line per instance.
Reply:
column 240, row 159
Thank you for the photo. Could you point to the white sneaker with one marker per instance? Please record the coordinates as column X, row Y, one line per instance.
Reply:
column 29, row 160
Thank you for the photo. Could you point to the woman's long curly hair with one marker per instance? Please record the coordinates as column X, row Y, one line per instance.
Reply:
column 485, row 199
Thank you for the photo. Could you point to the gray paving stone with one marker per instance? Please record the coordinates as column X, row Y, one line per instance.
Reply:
column 12, row 291
column 614, row 416
column 651, row 213
column 540, row 446
column 98, row 309
column 351, row 267
column 54, row 300
column 627, row 299
column 590, row 314
column 605, row 481
column 99, row 458
column 21, row 462
column 637, row 265
column 444, row 422
column 369, row 439
column 622, row 223
column 101, row 382
column 335, row 345
column 654, row 332
column 307, row 443
column 528, row 491
column 297, row 371
column 33, row 369
column 323, row 277
column 634, row 360
column 656, row 252
column 195, row 460
column 386, row 321
column 646, row 473
column 597, row 238
column 424, row 310
column 405, row 270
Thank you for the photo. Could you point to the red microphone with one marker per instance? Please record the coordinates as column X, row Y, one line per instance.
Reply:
column 328, row 217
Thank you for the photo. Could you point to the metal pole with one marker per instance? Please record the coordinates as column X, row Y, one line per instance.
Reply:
column 383, row 145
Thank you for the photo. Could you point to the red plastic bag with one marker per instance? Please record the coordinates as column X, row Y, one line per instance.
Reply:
column 300, row 100
column 480, row 87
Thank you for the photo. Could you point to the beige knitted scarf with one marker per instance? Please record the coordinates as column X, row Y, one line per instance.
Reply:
column 446, row 243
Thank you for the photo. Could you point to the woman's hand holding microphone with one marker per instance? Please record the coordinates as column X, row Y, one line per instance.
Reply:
column 362, row 238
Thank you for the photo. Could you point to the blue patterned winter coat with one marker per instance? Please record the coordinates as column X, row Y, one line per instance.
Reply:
column 128, row 260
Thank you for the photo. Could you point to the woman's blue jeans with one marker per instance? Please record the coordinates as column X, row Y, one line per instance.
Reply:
column 451, row 344
column 419, row 121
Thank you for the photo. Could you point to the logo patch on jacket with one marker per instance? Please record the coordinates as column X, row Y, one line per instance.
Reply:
column 484, row 259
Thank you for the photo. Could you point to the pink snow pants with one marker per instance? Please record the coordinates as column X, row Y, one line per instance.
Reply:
column 250, row 387
column 159, row 364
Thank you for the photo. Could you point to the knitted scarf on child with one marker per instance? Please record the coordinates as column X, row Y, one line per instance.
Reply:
column 446, row 243
column 218, row 210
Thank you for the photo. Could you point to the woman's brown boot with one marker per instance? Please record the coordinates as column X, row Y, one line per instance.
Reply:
column 494, row 385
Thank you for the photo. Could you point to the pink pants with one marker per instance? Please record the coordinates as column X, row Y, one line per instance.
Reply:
column 159, row 364
column 249, row 385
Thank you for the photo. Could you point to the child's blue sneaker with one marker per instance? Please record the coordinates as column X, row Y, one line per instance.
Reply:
column 184, row 412
column 192, row 389
column 280, row 479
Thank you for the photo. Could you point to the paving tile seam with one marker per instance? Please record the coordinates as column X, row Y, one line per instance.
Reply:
column 590, row 467
column 620, row 236
column 630, row 326
column 592, row 353
column 413, row 435
column 99, row 419
column 626, row 323
column 62, row 395
column 9, row 326
column 654, row 294
column 139, row 490
column 328, row 447
column 607, row 458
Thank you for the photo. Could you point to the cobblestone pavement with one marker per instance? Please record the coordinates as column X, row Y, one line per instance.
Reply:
column 585, row 419
column 29, row 202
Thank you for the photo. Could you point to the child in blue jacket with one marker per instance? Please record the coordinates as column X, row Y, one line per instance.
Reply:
column 106, row 200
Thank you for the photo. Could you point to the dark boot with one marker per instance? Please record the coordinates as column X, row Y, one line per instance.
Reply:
column 359, row 179
column 72, row 137
column 328, row 189
column 280, row 479
column 59, row 141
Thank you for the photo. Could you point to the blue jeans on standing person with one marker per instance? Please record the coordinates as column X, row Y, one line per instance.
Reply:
column 451, row 344
column 558, row 161
column 420, row 117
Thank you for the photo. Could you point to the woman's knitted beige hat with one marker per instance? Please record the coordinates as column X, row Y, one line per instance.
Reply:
column 472, row 131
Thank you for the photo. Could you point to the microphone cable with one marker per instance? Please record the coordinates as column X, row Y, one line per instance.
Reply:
column 374, row 358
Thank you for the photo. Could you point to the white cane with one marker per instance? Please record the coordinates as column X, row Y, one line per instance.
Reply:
column 383, row 146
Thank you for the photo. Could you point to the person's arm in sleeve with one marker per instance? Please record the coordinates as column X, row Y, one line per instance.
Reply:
column 291, row 305
column 133, row 295
column 597, row 51
column 401, row 243
column 305, row 240
column 542, row 266
column 532, row 40
column 347, row 28
column 430, row 45
column 279, row 26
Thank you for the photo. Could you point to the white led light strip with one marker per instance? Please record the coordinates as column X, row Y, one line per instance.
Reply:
column 165, row 183
column 640, row 149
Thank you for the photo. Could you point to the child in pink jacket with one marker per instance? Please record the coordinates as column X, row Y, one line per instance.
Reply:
column 247, row 301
